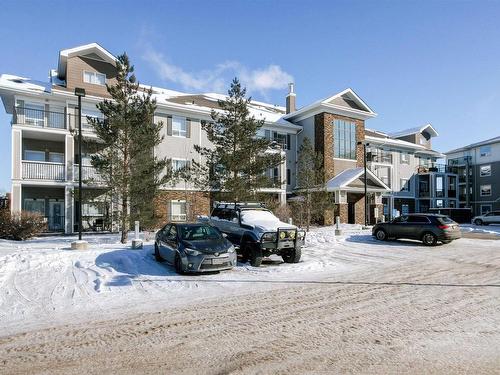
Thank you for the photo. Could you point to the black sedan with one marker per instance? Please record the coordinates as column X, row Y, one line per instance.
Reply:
column 427, row 228
column 194, row 248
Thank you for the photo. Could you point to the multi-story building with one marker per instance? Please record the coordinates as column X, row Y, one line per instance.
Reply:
column 401, row 168
column 478, row 168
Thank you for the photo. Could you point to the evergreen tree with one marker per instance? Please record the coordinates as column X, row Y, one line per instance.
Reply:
column 310, row 182
column 235, row 167
column 124, row 155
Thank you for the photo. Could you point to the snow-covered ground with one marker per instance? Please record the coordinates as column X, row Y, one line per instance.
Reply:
column 472, row 228
column 44, row 283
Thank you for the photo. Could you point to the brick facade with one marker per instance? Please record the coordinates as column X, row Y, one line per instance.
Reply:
column 198, row 203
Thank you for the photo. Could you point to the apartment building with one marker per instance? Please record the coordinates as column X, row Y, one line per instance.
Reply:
column 407, row 164
column 478, row 168
column 402, row 175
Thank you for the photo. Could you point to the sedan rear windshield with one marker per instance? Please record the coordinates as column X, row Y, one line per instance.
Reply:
column 198, row 232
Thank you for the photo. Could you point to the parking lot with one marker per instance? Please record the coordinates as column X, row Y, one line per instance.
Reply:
column 352, row 304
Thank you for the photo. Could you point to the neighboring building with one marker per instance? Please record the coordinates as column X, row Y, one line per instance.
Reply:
column 406, row 163
column 44, row 149
column 478, row 167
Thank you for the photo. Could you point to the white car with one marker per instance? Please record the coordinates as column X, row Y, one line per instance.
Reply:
column 492, row 217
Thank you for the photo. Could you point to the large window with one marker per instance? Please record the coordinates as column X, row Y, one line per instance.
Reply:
column 178, row 211
column 94, row 78
column 34, row 114
column 405, row 185
column 35, row 205
column 33, row 155
column 179, row 126
column 485, row 190
column 485, row 208
column 485, row 170
column 485, row 151
column 404, row 158
column 344, row 139
column 179, row 164
column 439, row 186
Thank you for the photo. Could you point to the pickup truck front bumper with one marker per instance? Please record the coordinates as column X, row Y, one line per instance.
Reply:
column 283, row 239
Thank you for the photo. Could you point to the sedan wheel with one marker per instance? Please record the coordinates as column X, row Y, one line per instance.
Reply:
column 429, row 239
column 478, row 222
column 381, row 235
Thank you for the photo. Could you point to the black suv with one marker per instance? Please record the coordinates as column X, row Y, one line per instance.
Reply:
column 256, row 232
column 428, row 228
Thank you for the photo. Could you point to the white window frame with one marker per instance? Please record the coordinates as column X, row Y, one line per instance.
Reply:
column 404, row 157
column 34, row 152
column 481, row 171
column 176, row 168
column 481, row 190
column 179, row 129
column 178, row 216
column 485, row 205
column 484, row 154
column 93, row 78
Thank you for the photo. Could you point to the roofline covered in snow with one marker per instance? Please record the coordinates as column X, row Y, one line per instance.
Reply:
column 474, row 145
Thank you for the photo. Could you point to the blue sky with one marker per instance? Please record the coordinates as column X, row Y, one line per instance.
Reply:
column 413, row 62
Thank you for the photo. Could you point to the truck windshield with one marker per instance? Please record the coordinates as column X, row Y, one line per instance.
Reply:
column 256, row 216
column 198, row 232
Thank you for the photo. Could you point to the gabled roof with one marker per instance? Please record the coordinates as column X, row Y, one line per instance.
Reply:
column 428, row 128
column 346, row 102
column 348, row 176
column 92, row 50
column 477, row 144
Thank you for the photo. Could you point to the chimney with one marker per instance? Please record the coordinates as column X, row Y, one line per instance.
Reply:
column 290, row 99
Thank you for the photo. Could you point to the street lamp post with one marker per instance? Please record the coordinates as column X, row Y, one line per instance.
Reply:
column 80, row 93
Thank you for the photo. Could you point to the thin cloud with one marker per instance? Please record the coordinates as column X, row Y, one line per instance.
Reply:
column 262, row 80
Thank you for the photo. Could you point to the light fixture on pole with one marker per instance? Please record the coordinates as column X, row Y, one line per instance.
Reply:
column 80, row 93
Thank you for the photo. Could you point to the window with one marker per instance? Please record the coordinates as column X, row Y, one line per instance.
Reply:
column 94, row 78
column 485, row 151
column 418, row 220
column 32, row 155
column 485, row 190
column 439, row 186
column 56, row 157
column 405, row 158
column 405, row 209
column 288, row 177
column 405, row 185
column 178, row 211
column 439, row 203
column 282, row 139
column 34, row 114
column 179, row 164
column 179, row 127
column 485, row 208
column 344, row 139
column 35, row 205
column 92, row 209
column 485, row 170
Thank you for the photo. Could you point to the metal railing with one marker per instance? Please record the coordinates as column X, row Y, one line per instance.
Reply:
column 89, row 174
column 39, row 117
column 437, row 168
column 41, row 170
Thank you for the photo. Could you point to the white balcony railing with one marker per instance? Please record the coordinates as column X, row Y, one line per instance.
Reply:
column 41, row 170
column 89, row 173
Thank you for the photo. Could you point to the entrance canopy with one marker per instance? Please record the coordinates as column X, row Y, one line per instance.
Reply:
column 352, row 180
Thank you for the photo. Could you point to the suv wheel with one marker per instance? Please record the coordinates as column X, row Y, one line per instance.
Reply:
column 478, row 222
column 429, row 239
column 292, row 256
column 255, row 255
column 380, row 235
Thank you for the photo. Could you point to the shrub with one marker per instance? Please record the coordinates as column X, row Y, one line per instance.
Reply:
column 20, row 226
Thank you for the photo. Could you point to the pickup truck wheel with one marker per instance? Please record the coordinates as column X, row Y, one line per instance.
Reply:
column 292, row 256
column 255, row 255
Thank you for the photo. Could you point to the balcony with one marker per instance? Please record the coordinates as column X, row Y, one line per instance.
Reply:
column 436, row 168
column 39, row 118
column 89, row 173
column 43, row 171
column 379, row 157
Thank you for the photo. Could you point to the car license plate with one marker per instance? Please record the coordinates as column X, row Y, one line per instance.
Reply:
column 287, row 244
column 219, row 260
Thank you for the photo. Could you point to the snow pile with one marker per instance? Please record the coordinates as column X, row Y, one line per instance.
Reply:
column 263, row 220
column 471, row 228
